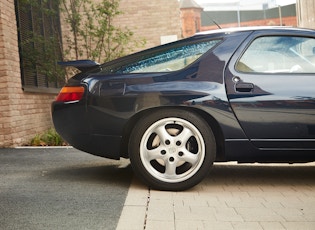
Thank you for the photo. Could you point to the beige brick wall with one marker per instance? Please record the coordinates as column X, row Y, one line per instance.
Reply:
column 151, row 19
column 22, row 115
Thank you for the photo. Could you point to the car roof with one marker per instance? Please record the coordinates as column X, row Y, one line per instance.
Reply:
column 253, row 28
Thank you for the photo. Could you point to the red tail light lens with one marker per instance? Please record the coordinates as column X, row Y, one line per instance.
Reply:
column 70, row 93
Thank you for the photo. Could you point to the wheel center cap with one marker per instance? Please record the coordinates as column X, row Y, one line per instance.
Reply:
column 172, row 150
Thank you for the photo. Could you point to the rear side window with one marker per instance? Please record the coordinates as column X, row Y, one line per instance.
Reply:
column 279, row 54
column 171, row 57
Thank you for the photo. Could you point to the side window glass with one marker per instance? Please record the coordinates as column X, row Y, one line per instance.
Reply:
column 279, row 54
column 172, row 59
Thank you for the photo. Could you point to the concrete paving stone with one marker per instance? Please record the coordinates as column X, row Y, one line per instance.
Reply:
column 134, row 212
column 249, row 203
column 137, row 194
column 165, row 204
column 308, row 191
column 309, row 213
column 158, row 225
column 208, row 196
column 204, row 213
column 299, row 225
column 182, row 199
column 292, row 193
column 297, row 203
column 264, row 195
column 161, row 195
column 308, row 199
column 247, row 226
column 291, row 214
column 182, row 213
column 194, row 214
column 189, row 225
column 132, row 217
column 251, row 189
column 242, row 194
column 278, row 188
column 227, row 214
column 272, row 204
column 233, row 188
column 210, row 187
column 215, row 225
column 227, row 197
column 186, row 194
column 272, row 225
column 259, row 214
column 199, row 202
column 283, row 200
column 160, row 212
column 217, row 203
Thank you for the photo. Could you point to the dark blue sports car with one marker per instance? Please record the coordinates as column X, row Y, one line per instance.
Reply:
column 245, row 94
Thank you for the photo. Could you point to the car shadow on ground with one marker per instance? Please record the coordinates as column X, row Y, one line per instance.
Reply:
column 261, row 174
column 118, row 174
column 226, row 174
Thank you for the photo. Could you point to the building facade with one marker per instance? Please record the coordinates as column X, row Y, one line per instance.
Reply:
column 305, row 12
column 25, row 111
column 194, row 18
column 22, row 114
column 190, row 15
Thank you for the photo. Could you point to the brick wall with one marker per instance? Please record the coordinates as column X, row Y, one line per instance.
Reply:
column 22, row 115
column 150, row 19
column 191, row 21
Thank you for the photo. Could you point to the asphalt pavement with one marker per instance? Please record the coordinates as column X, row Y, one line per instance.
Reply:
column 60, row 188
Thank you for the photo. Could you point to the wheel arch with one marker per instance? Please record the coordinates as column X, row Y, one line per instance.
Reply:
column 211, row 121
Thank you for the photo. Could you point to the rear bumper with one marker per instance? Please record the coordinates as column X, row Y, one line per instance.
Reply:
column 71, row 122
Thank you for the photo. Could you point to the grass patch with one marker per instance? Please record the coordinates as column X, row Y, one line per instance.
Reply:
column 48, row 138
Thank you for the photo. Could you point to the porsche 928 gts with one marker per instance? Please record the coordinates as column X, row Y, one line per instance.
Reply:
column 245, row 94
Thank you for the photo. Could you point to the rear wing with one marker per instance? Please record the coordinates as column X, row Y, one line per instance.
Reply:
column 82, row 65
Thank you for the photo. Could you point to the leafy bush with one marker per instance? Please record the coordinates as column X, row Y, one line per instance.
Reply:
column 48, row 138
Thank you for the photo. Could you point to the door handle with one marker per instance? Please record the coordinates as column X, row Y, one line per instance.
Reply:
column 244, row 87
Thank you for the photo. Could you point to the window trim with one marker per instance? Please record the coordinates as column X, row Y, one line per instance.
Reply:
column 31, row 79
column 113, row 67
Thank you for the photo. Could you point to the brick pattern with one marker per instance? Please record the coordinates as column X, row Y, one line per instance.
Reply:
column 144, row 20
column 191, row 21
column 150, row 19
column 22, row 115
column 233, row 196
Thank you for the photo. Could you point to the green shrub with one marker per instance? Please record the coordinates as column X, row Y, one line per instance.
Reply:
column 48, row 138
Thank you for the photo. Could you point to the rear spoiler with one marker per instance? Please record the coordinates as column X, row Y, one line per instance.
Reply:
column 83, row 65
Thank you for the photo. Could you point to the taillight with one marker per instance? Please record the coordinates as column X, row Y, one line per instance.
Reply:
column 70, row 93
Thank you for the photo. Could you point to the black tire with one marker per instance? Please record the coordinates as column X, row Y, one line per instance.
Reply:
column 172, row 149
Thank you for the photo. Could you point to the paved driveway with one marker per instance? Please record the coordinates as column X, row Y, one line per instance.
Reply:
column 68, row 189
column 60, row 189
column 253, row 196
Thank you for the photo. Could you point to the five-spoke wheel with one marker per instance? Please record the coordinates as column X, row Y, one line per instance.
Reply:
column 172, row 149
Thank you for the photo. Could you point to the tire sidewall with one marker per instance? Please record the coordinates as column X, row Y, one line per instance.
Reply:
column 141, row 127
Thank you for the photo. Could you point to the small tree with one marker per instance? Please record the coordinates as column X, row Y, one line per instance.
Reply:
column 93, row 33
